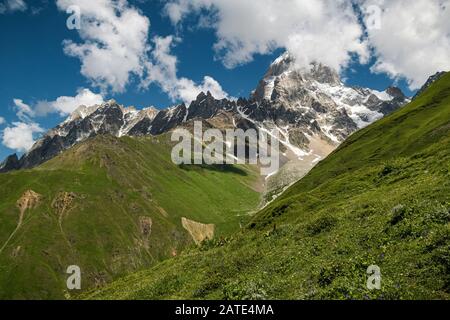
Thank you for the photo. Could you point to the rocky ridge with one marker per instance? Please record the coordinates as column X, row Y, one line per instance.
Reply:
column 305, row 106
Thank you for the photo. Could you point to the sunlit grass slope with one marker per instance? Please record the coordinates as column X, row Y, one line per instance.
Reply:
column 382, row 198
column 111, row 206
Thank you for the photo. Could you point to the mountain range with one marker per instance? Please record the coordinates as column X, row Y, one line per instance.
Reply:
column 304, row 105
column 100, row 190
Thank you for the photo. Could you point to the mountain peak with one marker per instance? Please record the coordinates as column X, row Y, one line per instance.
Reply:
column 202, row 96
column 316, row 70
column 284, row 72
column 10, row 163
column 283, row 63
column 82, row 112
column 302, row 102
column 429, row 82
column 324, row 74
column 395, row 92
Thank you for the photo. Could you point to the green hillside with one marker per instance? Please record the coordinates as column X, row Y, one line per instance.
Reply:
column 110, row 206
column 382, row 198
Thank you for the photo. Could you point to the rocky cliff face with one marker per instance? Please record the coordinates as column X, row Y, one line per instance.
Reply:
column 318, row 95
column 307, row 107
column 10, row 163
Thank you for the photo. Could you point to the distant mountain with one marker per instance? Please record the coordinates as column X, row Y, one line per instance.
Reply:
column 10, row 163
column 319, row 96
column 312, row 109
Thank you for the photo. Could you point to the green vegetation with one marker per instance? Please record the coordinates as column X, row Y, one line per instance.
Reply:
column 95, row 203
column 381, row 199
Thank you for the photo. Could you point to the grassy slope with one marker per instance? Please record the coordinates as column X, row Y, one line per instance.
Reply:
column 382, row 198
column 115, row 181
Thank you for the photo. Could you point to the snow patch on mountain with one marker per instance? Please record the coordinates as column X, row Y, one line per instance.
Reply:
column 312, row 110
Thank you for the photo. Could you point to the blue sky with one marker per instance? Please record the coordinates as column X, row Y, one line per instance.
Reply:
column 34, row 66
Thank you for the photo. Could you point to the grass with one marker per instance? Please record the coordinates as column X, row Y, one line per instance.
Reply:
column 115, row 182
column 382, row 198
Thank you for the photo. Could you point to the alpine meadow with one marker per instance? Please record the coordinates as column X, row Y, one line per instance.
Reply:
column 225, row 158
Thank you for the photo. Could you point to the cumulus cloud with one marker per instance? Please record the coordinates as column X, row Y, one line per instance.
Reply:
column 115, row 47
column 66, row 105
column 20, row 136
column 163, row 71
column 2, row 120
column 62, row 105
column 326, row 31
column 410, row 39
column 413, row 38
column 187, row 90
column 12, row 6
column 114, row 43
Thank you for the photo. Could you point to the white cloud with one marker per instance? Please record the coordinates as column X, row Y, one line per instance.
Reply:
column 413, row 40
column 19, row 137
column 63, row 105
column 24, row 111
column 66, row 105
column 325, row 31
column 164, row 72
column 187, row 90
column 115, row 47
column 12, row 6
column 2, row 120
column 114, row 42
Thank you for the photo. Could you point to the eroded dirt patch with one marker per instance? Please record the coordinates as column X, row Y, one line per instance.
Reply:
column 198, row 231
column 63, row 202
column 29, row 200
column 145, row 224
column 145, row 228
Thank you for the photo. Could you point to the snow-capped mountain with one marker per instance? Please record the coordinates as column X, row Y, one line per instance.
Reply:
column 319, row 96
column 313, row 110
